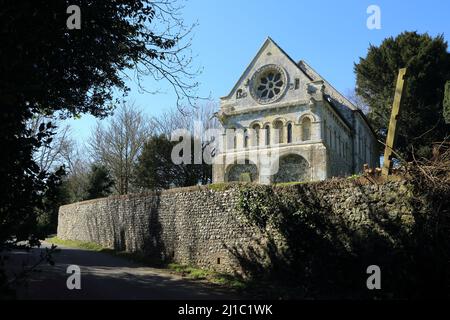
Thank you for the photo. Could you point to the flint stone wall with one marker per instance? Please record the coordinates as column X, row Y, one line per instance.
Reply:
column 202, row 227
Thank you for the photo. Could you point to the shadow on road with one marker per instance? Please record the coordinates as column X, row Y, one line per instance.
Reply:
column 104, row 276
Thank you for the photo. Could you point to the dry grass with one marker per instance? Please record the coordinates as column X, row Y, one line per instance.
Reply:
column 434, row 172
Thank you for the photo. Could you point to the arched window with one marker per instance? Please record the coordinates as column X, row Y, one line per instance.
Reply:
column 330, row 138
column 292, row 168
column 278, row 131
column 246, row 172
column 306, row 129
column 339, row 146
column 289, row 133
column 335, row 146
column 364, row 151
column 346, row 150
column 267, row 135
column 256, row 129
column 230, row 138
column 245, row 138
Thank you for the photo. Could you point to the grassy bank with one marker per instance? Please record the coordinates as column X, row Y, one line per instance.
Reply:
column 211, row 276
column 76, row 244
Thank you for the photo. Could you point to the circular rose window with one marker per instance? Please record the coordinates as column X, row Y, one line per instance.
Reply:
column 268, row 84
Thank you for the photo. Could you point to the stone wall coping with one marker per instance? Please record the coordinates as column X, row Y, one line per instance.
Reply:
column 143, row 194
column 334, row 182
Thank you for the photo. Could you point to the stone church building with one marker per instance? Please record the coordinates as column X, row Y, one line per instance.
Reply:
column 286, row 111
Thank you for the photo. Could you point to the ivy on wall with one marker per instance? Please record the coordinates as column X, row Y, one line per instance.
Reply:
column 321, row 237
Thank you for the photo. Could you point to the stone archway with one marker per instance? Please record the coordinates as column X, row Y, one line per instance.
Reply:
column 247, row 172
column 291, row 168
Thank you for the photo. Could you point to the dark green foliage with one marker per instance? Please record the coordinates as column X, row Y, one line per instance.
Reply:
column 76, row 186
column 47, row 69
column 56, row 196
column 155, row 169
column 428, row 68
column 75, row 70
column 99, row 183
column 25, row 189
column 324, row 254
column 446, row 103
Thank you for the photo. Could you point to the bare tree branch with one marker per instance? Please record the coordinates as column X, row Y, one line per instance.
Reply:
column 118, row 145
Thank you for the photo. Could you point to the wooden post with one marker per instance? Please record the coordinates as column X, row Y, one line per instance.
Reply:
column 390, row 140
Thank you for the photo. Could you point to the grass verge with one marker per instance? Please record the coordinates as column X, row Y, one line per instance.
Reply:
column 75, row 244
column 219, row 186
column 211, row 276
column 292, row 183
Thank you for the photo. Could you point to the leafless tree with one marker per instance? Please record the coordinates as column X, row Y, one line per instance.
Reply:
column 174, row 63
column 78, row 167
column 118, row 145
column 202, row 116
column 52, row 155
column 357, row 101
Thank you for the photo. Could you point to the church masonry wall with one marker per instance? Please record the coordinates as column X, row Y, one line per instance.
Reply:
column 338, row 140
column 312, row 150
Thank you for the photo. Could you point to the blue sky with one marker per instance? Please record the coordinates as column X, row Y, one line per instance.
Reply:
column 329, row 35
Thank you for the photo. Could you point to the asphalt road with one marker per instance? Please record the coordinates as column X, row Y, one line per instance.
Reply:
column 104, row 276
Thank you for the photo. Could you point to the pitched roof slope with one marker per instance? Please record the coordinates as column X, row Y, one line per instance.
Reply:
column 329, row 89
column 344, row 106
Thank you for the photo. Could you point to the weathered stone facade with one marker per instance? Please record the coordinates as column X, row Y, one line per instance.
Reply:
column 203, row 227
column 282, row 108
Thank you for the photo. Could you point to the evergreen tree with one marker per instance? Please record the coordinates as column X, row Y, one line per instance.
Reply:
column 100, row 182
column 57, row 195
column 421, row 121
column 155, row 169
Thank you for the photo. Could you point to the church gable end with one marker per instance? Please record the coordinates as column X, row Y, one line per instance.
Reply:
column 288, row 111
column 271, row 77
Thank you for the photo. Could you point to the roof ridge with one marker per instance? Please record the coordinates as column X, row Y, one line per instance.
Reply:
column 305, row 66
